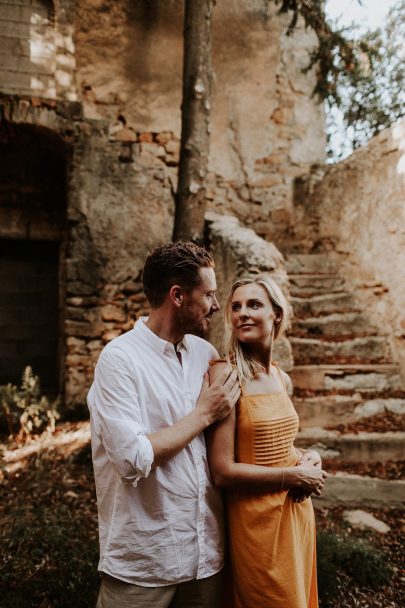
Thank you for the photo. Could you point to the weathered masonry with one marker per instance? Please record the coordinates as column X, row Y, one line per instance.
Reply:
column 89, row 141
column 90, row 97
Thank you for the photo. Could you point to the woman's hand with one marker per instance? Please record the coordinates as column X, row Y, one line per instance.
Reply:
column 311, row 457
column 305, row 479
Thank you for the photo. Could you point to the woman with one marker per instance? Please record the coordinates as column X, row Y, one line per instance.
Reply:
column 251, row 452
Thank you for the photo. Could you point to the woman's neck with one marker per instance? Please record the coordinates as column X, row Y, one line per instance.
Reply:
column 261, row 354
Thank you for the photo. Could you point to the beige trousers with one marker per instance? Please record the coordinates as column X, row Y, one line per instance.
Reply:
column 202, row 593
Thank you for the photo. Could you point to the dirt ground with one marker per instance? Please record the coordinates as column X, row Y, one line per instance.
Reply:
column 48, row 523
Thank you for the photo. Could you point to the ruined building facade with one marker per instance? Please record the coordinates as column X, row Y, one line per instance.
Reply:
column 90, row 96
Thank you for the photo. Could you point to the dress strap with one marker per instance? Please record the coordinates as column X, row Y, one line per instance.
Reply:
column 281, row 376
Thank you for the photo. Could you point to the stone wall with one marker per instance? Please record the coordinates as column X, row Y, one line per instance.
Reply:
column 119, row 205
column 36, row 49
column 357, row 208
column 266, row 130
column 240, row 252
column 121, row 142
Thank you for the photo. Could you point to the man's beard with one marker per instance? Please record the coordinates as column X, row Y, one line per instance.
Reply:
column 188, row 324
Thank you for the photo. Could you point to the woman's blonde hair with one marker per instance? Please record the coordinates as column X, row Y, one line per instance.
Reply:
column 247, row 367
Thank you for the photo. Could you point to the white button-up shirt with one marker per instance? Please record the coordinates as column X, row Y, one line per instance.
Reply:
column 162, row 526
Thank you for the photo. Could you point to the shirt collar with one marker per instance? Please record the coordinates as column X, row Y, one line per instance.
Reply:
column 157, row 343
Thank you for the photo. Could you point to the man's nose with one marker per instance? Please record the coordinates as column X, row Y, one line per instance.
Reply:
column 215, row 304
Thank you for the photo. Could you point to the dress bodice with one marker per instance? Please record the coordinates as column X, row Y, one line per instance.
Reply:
column 266, row 427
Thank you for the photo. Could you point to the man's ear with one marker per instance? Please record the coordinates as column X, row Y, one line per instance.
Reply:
column 176, row 295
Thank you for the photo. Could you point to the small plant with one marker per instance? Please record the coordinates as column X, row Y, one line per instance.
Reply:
column 360, row 561
column 326, row 558
column 24, row 410
column 365, row 564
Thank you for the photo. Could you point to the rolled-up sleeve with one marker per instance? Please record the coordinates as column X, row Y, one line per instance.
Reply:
column 117, row 417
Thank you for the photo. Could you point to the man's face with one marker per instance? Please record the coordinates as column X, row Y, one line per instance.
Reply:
column 199, row 305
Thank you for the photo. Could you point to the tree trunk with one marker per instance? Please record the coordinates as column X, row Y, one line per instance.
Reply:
column 195, row 126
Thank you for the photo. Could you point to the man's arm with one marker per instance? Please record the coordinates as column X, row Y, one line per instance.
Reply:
column 214, row 403
column 114, row 404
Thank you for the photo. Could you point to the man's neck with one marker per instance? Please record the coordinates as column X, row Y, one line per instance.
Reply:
column 163, row 326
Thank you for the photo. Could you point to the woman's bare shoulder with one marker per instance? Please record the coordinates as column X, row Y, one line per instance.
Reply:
column 287, row 381
column 215, row 367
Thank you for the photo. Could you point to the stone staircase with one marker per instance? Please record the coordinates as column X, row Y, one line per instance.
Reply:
column 343, row 372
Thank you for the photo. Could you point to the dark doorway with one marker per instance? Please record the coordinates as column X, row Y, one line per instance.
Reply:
column 32, row 242
column 29, row 310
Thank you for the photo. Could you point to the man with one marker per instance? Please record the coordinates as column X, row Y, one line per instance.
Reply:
column 160, row 518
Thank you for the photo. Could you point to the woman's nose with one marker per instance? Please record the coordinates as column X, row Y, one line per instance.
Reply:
column 243, row 312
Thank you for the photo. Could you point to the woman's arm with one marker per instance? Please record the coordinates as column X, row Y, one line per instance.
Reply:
column 227, row 473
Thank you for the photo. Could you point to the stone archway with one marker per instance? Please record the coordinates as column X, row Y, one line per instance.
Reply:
column 32, row 244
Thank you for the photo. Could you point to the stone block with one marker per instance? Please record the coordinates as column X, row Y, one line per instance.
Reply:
column 83, row 329
column 346, row 489
column 146, row 137
column 360, row 447
column 325, row 304
column 164, row 137
column 361, row 519
column 113, row 313
column 367, row 349
column 363, row 378
column 127, row 134
column 173, row 147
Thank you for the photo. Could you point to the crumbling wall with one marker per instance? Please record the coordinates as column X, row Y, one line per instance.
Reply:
column 37, row 49
column 119, row 205
column 122, row 139
column 266, row 127
column 240, row 252
column 357, row 208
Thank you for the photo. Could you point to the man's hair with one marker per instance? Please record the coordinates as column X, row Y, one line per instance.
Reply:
column 173, row 264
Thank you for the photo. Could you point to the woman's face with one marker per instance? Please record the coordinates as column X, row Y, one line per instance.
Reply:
column 252, row 314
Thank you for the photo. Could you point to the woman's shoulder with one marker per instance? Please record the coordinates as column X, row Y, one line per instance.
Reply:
column 216, row 366
column 285, row 378
column 217, row 362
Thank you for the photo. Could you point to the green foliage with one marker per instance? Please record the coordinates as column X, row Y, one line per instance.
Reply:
column 372, row 96
column 334, row 55
column 366, row 565
column 327, row 551
column 24, row 410
column 360, row 76
column 358, row 560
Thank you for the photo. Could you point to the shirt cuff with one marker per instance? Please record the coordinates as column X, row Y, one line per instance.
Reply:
column 142, row 463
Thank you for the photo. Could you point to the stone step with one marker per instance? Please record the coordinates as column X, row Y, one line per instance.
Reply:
column 330, row 410
column 337, row 324
column 348, row 489
column 305, row 285
column 311, row 263
column 362, row 378
column 327, row 410
column 353, row 447
column 369, row 349
column 371, row 407
column 324, row 304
